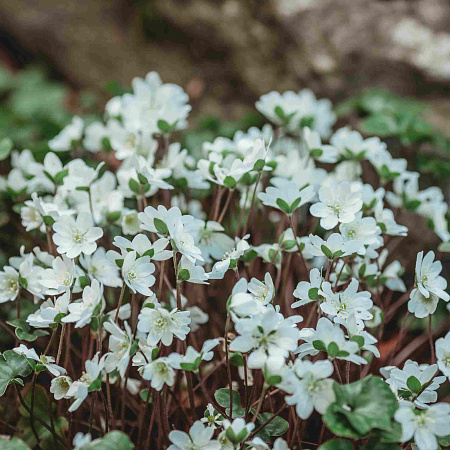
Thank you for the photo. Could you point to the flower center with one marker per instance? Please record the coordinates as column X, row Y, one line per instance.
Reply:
column 131, row 275
column 160, row 323
column 12, row 286
column 162, row 369
column 67, row 280
column 77, row 237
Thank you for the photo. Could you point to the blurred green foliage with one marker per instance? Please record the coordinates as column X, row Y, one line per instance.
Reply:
column 32, row 108
column 386, row 115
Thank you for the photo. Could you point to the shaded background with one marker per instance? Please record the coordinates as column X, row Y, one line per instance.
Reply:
column 226, row 53
column 64, row 57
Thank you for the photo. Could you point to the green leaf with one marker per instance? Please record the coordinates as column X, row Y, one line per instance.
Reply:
column 48, row 220
column 380, row 124
column 113, row 440
column 358, row 339
column 360, row 407
column 229, row 182
column 143, row 394
column 273, row 380
column 143, row 180
column 333, row 349
column 413, row 384
column 13, row 367
column 164, row 126
column 316, row 152
column 444, row 440
column 283, row 206
column 6, row 145
column 222, row 397
column 160, row 226
column 319, row 345
column 276, row 427
column 295, row 204
column 24, row 331
column 113, row 215
column 237, row 359
column 337, row 444
column 279, row 112
column 326, row 251
column 184, row 275
column 12, row 444
column 59, row 177
column 134, row 186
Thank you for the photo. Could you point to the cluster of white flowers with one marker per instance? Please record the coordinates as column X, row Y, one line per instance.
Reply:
column 133, row 259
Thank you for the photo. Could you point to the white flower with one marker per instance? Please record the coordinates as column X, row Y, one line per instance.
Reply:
column 443, row 354
column 79, row 389
column 192, row 359
column 32, row 275
column 337, row 204
column 341, row 306
column 69, row 136
column 137, row 273
column 363, row 230
column 352, row 145
column 130, row 222
column 329, row 333
column 162, row 325
column 242, row 303
column 60, row 386
column 100, row 268
column 188, row 271
column 295, row 110
column 60, row 277
column 142, row 246
column 9, row 284
column 314, row 147
column 120, row 345
column 230, row 258
column 427, row 276
column 80, row 175
column 160, row 372
column 255, row 153
column 153, row 101
column 308, row 291
column 46, row 314
column 263, row 292
column 81, row 441
column 211, row 417
column 400, row 381
column 211, row 240
column 106, row 200
column 310, row 387
column 47, row 361
column 91, row 304
column 199, row 438
column 420, row 305
column 286, row 195
column 334, row 247
column 182, row 240
column 423, row 425
column 386, row 221
column 238, row 430
column 76, row 237
column 268, row 336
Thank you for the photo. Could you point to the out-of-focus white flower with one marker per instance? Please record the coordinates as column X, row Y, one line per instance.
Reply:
column 68, row 137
